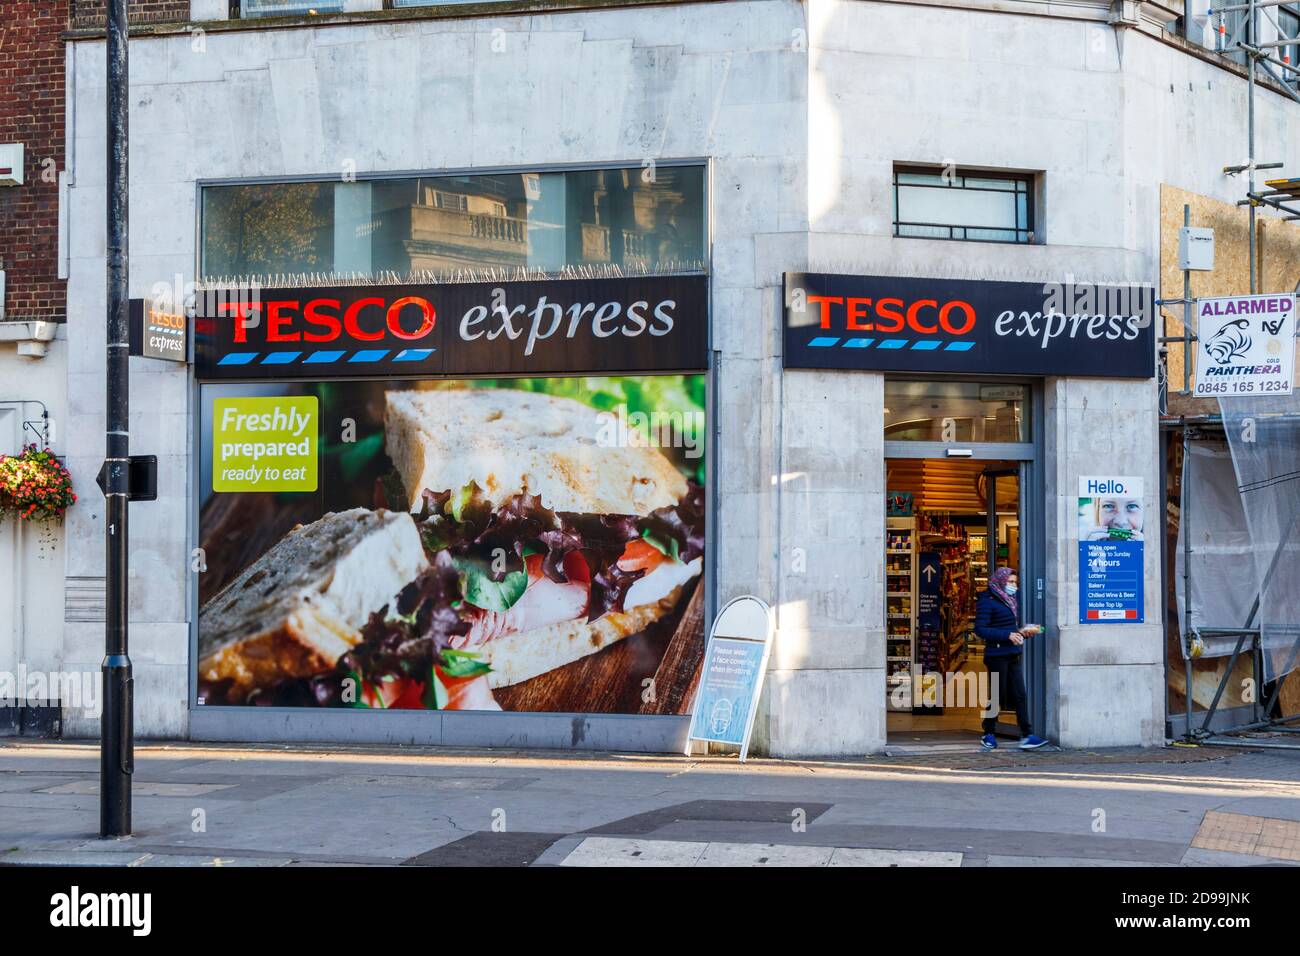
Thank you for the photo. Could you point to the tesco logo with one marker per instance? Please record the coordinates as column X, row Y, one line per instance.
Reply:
column 923, row 316
column 324, row 320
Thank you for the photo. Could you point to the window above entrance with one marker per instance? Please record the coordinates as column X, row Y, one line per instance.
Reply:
column 962, row 204
column 944, row 411
column 592, row 222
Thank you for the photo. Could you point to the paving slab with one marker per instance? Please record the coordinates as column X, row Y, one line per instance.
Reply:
column 285, row 805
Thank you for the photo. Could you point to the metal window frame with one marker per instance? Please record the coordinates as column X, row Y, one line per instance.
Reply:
column 1026, row 182
column 237, row 10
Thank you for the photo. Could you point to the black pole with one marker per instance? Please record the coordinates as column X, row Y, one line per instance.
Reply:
column 116, row 757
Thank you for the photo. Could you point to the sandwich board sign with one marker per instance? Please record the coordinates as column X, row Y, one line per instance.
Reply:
column 1245, row 345
column 731, row 676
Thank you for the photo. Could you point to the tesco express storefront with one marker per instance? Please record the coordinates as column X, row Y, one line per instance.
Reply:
column 478, row 503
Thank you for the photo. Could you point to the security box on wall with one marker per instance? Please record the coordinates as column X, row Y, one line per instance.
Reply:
column 1196, row 249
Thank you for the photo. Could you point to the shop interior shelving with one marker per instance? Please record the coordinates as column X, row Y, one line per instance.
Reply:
column 979, row 564
column 900, row 607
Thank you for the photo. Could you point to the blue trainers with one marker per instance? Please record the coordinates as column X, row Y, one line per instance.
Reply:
column 1032, row 742
column 988, row 742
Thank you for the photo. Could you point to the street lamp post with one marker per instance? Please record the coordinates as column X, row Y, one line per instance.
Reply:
column 116, row 750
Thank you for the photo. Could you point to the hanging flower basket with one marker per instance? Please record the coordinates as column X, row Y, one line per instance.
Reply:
column 34, row 485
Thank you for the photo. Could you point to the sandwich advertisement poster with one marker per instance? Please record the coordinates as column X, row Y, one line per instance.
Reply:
column 520, row 544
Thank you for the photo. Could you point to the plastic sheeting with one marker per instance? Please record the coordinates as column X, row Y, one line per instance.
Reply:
column 1264, row 436
column 1223, row 584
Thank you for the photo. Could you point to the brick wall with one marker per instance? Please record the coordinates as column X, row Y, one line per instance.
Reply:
column 31, row 113
column 90, row 13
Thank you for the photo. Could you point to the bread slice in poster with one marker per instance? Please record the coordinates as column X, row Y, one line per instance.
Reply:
column 513, row 442
column 518, row 657
column 300, row 606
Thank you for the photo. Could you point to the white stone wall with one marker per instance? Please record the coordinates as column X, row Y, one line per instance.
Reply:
column 801, row 109
column 31, row 553
column 1106, row 118
column 719, row 81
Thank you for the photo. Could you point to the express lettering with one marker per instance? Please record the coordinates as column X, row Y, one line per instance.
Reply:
column 368, row 319
column 923, row 316
column 545, row 319
column 1051, row 325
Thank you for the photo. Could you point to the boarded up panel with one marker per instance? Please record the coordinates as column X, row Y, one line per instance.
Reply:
column 1288, row 701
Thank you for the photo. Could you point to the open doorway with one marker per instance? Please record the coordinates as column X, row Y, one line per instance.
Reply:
column 949, row 523
column 962, row 493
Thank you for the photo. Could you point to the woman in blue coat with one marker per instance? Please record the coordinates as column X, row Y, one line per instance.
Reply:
column 997, row 623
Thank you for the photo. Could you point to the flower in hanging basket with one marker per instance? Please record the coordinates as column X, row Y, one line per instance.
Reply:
column 34, row 485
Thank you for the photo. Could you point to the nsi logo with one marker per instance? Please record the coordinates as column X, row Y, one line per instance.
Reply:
column 1231, row 341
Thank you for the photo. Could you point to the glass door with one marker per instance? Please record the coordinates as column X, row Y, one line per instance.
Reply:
column 931, row 427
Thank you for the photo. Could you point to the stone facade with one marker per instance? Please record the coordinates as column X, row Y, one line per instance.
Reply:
column 801, row 110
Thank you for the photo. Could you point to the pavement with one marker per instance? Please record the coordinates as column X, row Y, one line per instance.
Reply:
column 307, row 805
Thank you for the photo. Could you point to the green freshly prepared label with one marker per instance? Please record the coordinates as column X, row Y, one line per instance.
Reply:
column 264, row 444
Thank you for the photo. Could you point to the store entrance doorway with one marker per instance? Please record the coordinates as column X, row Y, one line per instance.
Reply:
column 955, row 512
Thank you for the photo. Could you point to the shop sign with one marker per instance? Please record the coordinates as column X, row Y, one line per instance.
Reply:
column 157, row 333
column 893, row 324
column 732, row 674
column 265, row 443
column 1111, row 569
column 641, row 324
column 1245, row 345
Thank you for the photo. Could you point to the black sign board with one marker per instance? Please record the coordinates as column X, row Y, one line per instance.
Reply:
column 624, row 325
column 157, row 333
column 890, row 324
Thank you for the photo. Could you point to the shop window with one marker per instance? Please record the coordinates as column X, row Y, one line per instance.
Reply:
column 962, row 204
column 619, row 221
column 947, row 411
column 249, row 9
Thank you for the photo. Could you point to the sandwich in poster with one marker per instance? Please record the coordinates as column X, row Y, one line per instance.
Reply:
column 515, row 537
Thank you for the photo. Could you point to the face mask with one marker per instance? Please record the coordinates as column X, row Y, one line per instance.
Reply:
column 1011, row 590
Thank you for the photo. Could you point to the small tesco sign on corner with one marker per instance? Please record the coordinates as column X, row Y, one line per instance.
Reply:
column 157, row 333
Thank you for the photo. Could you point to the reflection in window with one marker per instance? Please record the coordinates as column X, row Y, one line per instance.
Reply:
column 279, row 227
column 946, row 411
column 610, row 221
